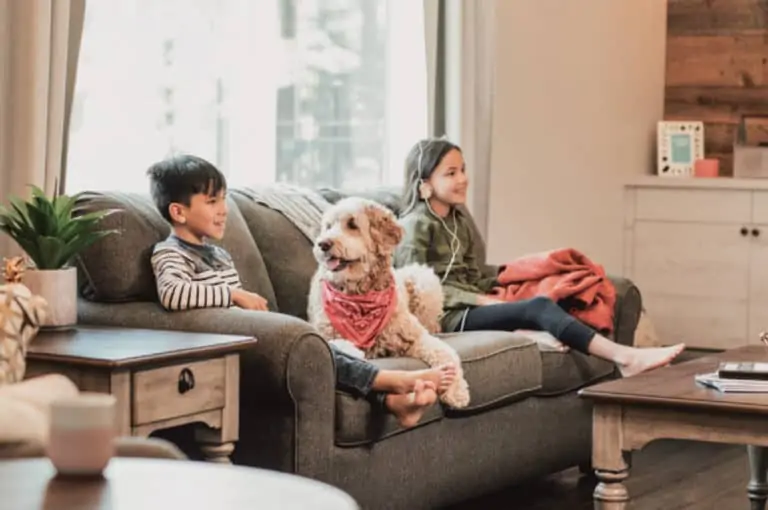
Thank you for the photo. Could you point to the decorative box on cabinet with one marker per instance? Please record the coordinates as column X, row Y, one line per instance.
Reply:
column 698, row 251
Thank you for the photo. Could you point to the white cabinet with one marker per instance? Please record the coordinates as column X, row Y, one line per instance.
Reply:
column 698, row 251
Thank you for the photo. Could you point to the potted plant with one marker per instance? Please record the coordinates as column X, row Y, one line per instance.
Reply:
column 52, row 234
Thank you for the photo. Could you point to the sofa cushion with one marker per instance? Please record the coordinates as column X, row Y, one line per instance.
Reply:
column 287, row 253
column 361, row 421
column 24, row 407
column 567, row 372
column 118, row 269
column 500, row 367
column 387, row 196
column 246, row 255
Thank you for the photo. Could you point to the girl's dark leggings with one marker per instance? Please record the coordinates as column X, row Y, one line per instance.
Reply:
column 539, row 314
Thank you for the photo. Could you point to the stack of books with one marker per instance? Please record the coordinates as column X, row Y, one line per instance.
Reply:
column 737, row 377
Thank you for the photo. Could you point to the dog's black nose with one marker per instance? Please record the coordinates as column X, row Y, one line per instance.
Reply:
column 325, row 245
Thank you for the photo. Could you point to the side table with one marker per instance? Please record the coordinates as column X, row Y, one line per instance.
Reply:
column 160, row 378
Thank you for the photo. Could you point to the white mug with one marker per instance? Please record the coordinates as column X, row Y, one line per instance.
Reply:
column 82, row 433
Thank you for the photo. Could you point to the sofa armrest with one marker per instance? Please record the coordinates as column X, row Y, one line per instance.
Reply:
column 629, row 305
column 287, row 379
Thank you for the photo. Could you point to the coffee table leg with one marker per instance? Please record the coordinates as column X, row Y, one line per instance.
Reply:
column 610, row 493
column 758, row 484
column 609, row 460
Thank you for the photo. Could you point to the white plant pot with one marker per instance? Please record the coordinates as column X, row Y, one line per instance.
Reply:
column 59, row 288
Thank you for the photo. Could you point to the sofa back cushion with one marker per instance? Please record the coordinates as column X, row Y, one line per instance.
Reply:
column 118, row 269
column 287, row 253
column 390, row 198
column 247, row 256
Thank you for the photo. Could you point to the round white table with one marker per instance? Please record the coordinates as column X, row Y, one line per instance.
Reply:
column 155, row 484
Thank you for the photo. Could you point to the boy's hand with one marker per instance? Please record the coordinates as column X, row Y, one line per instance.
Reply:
column 248, row 300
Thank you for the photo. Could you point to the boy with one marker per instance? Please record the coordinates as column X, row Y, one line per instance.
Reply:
column 190, row 193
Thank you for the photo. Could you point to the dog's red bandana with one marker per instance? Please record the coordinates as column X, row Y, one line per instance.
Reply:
column 359, row 318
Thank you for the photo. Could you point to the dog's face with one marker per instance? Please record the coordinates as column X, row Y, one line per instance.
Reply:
column 356, row 237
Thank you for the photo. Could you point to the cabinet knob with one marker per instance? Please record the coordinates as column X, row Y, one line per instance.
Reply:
column 744, row 231
column 755, row 232
column 186, row 381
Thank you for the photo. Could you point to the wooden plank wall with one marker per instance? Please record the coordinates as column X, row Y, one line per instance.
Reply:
column 717, row 70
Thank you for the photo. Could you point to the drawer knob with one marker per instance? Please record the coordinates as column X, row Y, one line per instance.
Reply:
column 744, row 231
column 755, row 232
column 186, row 381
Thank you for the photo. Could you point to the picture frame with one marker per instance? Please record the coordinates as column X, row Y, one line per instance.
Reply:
column 679, row 145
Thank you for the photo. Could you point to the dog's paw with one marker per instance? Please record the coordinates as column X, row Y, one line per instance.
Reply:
column 457, row 396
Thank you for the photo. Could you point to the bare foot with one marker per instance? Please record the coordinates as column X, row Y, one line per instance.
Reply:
column 441, row 376
column 403, row 381
column 409, row 408
column 642, row 360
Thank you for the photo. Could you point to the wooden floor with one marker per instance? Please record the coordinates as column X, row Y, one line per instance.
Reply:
column 667, row 475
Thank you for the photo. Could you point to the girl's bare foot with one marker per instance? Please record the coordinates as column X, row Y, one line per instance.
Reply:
column 642, row 360
column 409, row 408
column 403, row 381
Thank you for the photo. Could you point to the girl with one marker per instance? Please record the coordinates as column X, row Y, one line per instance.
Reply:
column 438, row 234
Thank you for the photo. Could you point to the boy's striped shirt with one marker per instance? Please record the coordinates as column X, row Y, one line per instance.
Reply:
column 193, row 276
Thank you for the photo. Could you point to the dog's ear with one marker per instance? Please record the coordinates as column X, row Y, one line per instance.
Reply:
column 385, row 231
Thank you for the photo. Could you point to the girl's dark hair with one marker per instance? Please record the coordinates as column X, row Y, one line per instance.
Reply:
column 178, row 178
column 421, row 162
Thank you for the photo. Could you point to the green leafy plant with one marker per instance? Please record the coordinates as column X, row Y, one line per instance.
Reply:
column 48, row 230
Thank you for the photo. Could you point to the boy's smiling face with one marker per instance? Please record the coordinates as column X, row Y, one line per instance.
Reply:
column 205, row 217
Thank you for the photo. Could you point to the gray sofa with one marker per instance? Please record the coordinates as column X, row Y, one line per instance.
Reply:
column 525, row 419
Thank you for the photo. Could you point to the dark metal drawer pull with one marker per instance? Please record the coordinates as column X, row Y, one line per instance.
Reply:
column 186, row 381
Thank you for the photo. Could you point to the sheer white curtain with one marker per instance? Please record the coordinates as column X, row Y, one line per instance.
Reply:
column 316, row 92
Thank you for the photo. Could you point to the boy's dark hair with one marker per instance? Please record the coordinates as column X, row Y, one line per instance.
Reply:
column 178, row 178
column 421, row 162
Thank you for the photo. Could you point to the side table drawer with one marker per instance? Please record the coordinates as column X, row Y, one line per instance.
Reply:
column 177, row 390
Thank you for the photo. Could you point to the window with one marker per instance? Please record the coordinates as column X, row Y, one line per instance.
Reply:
column 313, row 92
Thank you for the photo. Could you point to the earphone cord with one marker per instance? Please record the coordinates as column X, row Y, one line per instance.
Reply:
column 455, row 241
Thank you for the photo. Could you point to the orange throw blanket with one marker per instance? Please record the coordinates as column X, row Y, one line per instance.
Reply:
column 567, row 277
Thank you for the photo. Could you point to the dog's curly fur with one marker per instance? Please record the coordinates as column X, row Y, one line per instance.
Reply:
column 364, row 234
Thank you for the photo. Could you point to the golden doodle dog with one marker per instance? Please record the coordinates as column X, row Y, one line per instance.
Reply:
column 356, row 295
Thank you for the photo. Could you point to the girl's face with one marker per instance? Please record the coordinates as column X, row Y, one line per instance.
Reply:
column 449, row 180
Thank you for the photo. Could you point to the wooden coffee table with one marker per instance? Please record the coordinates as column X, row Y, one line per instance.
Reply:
column 669, row 404
column 154, row 484
column 160, row 378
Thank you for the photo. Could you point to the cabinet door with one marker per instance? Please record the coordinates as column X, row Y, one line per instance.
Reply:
column 760, row 208
column 758, row 283
column 694, row 281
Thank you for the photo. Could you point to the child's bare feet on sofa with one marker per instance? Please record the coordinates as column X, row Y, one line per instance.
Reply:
column 409, row 408
column 403, row 381
column 644, row 359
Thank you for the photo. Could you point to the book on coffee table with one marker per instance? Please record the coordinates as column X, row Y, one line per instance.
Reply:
column 726, row 385
column 743, row 370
